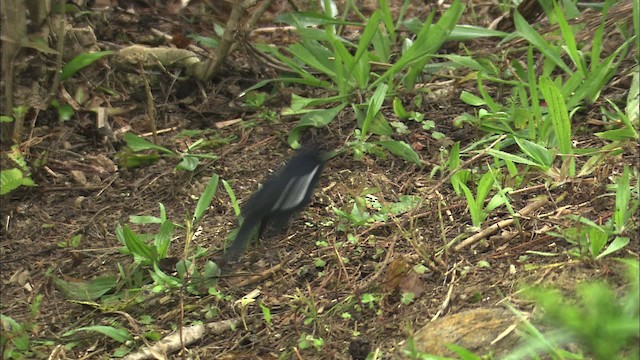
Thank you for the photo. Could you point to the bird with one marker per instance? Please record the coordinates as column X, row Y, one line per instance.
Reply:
column 282, row 195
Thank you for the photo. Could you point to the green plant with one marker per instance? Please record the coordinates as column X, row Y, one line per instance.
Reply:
column 133, row 157
column 591, row 74
column 592, row 239
column 307, row 341
column 603, row 322
column 368, row 209
column 477, row 208
column 306, row 305
column 15, row 337
column 12, row 179
column 322, row 54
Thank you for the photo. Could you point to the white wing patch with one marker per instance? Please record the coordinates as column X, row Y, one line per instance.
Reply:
column 293, row 194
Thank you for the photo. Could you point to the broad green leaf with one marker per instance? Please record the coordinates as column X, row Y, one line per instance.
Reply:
column 538, row 153
column 86, row 290
column 484, row 186
column 470, row 99
column 80, row 62
column 137, row 143
column 598, row 78
column 623, row 196
column 163, row 279
column 398, row 109
column 145, row 219
column 401, row 149
column 119, row 335
column 12, row 179
column 623, row 134
column 210, row 273
column 301, row 105
column 597, row 240
column 142, row 253
column 307, row 19
column 361, row 62
column 206, row 198
column 132, row 161
column 188, row 163
column 312, row 57
column 559, row 117
column 163, row 238
column 405, row 204
column 65, row 111
column 205, row 40
column 375, row 103
column 632, row 109
column 317, row 119
column 266, row 313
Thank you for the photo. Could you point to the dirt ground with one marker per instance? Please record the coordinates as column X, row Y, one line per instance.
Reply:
column 305, row 284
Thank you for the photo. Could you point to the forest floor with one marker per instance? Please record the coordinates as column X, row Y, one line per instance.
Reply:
column 334, row 289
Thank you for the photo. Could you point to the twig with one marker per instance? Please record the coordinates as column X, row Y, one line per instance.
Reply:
column 501, row 224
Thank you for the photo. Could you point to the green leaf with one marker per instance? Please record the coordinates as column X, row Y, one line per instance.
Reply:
column 538, row 153
column 232, row 196
column 206, row 198
column 313, row 55
column 317, row 119
column 470, row 32
column 623, row 196
column 132, row 161
column 65, row 111
column 470, row 99
column 81, row 61
column 430, row 39
column 623, row 134
column 569, row 40
column 373, row 107
column 559, row 117
column 163, row 238
column 597, row 240
column 484, row 186
column 266, row 313
column 398, row 109
column 137, row 143
column 119, row 335
column 142, row 253
column 12, row 179
column 86, row 290
column 144, row 219
column 401, row 149
column 204, row 40
column 511, row 157
column 405, row 204
column 618, row 243
column 188, row 163
column 551, row 52
column 633, row 101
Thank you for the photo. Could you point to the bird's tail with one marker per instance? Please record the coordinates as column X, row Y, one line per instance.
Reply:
column 243, row 238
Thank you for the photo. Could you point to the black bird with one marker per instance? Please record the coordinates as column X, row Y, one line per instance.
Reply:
column 281, row 196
